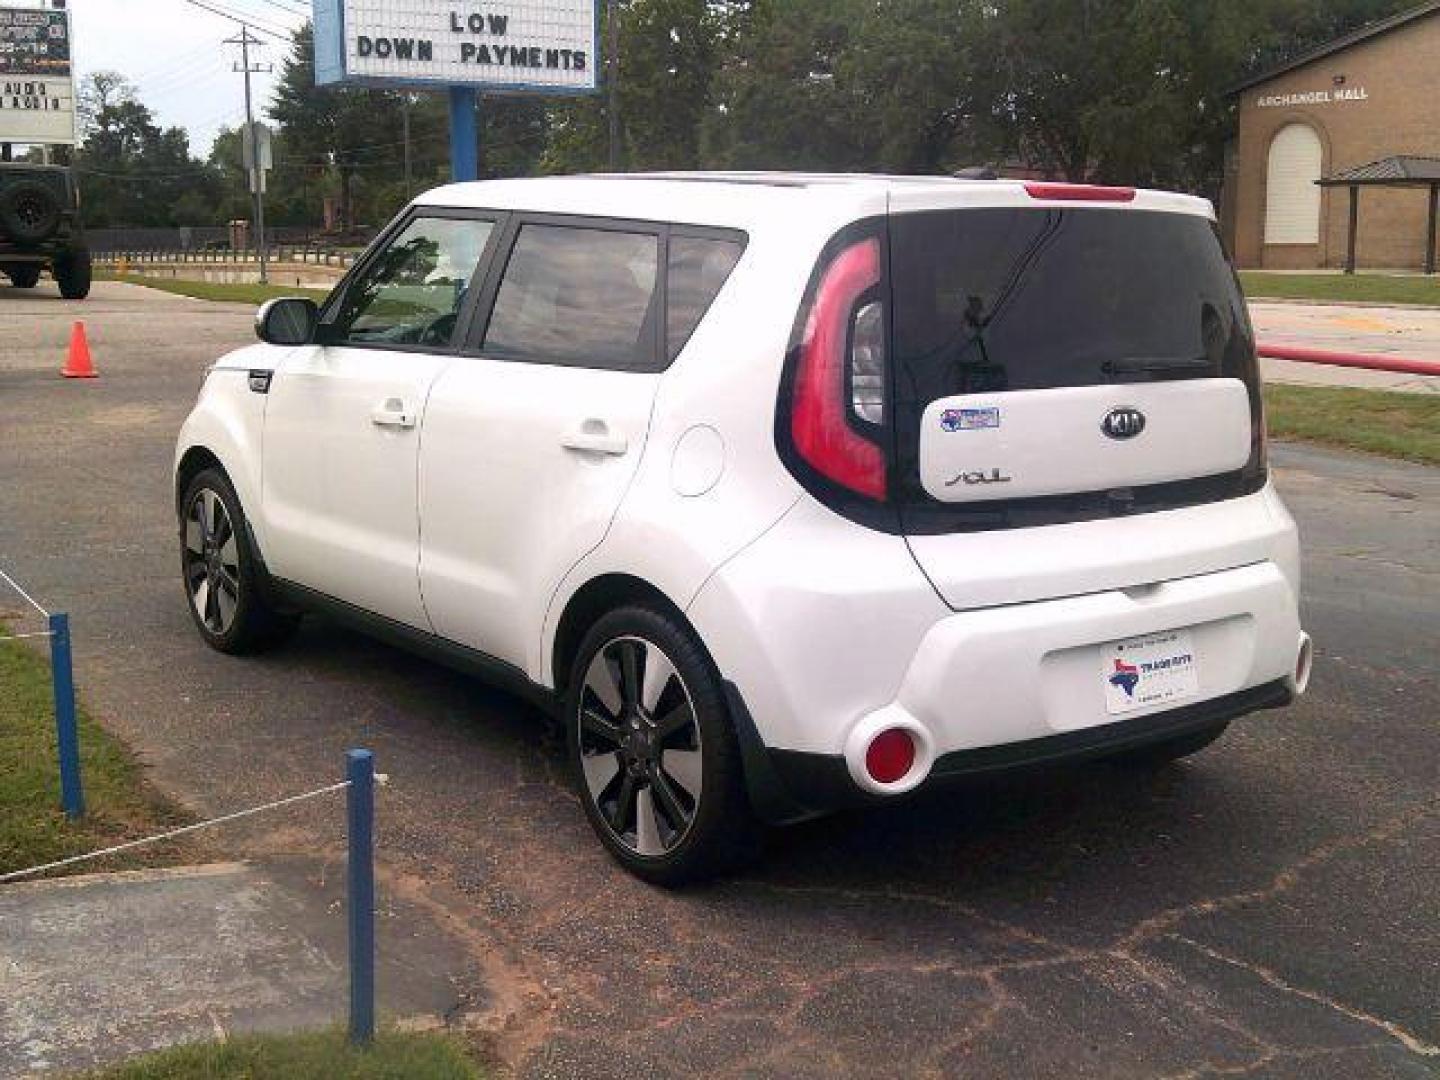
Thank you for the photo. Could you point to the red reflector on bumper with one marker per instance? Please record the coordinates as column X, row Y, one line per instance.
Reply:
column 890, row 756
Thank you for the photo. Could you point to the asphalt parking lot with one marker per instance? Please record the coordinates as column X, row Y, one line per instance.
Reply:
column 1271, row 908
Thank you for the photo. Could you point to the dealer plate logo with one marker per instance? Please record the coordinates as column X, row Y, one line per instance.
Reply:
column 1157, row 669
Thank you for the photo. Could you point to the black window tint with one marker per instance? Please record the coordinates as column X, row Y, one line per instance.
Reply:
column 996, row 299
column 1010, row 299
column 585, row 297
column 697, row 268
column 412, row 291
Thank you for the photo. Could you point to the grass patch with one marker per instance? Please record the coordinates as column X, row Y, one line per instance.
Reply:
column 1359, row 288
column 225, row 292
column 1378, row 421
column 120, row 805
column 411, row 1056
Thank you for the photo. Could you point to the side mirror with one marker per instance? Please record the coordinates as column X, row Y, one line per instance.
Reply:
column 289, row 320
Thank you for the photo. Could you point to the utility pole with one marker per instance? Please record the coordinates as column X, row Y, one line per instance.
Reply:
column 405, row 124
column 612, row 33
column 257, row 174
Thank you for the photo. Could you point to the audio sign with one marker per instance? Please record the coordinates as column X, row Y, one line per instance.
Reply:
column 531, row 46
column 37, row 91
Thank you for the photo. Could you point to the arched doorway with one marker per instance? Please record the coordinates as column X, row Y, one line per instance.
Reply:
column 1292, row 198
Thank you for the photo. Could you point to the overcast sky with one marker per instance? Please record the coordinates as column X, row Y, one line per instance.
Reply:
column 172, row 51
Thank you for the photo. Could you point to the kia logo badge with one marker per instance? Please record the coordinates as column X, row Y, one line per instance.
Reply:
column 1123, row 423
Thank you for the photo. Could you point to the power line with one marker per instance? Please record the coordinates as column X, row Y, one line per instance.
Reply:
column 172, row 63
column 293, row 12
column 255, row 22
column 205, row 67
column 278, row 35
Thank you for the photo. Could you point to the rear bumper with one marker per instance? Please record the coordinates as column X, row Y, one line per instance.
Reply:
column 832, row 635
column 787, row 786
column 1024, row 684
column 1029, row 671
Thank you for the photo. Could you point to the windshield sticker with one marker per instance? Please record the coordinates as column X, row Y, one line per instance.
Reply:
column 969, row 419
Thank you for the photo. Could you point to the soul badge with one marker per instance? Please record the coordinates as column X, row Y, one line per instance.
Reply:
column 978, row 476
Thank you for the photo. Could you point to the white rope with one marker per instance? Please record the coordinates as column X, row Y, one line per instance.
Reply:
column 15, row 875
column 17, row 637
column 28, row 598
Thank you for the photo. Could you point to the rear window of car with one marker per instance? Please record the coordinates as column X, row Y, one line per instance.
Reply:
column 1025, row 299
column 986, row 300
column 578, row 296
column 697, row 269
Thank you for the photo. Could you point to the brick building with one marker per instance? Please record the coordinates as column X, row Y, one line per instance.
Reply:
column 1364, row 98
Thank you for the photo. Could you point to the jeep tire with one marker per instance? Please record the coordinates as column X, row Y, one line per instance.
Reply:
column 29, row 212
column 24, row 275
column 72, row 273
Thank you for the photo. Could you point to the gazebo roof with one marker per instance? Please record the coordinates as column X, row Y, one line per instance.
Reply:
column 1397, row 171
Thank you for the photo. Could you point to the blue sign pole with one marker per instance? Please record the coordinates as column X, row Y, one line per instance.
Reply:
column 72, row 797
column 464, row 134
column 360, row 771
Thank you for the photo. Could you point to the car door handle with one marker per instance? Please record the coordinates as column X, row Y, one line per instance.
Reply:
column 594, row 437
column 392, row 413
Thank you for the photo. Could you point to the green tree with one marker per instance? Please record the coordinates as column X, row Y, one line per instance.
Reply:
column 669, row 52
column 135, row 173
column 1138, row 91
column 349, row 143
column 338, row 127
column 776, row 103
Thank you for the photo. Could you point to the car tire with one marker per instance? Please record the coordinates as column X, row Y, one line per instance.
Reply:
column 29, row 212
column 224, row 582
column 653, row 750
column 73, row 273
column 1157, row 755
column 25, row 276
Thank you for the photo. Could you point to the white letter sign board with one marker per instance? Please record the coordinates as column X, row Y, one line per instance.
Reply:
column 521, row 46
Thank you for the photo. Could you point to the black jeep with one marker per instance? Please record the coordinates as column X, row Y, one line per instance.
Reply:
column 40, row 227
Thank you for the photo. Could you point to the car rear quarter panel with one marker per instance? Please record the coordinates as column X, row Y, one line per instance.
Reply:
column 725, row 380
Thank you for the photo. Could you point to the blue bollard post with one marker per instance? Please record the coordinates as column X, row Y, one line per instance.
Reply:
column 360, row 771
column 72, row 795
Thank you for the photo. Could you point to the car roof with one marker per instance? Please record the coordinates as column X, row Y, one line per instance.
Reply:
column 749, row 199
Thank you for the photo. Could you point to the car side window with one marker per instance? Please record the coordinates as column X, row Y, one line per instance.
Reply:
column 697, row 268
column 578, row 296
column 412, row 291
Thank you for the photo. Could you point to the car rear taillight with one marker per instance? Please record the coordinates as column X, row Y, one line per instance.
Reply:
column 1079, row 192
column 840, row 374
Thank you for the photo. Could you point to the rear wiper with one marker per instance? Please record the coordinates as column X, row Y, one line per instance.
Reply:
column 1130, row 365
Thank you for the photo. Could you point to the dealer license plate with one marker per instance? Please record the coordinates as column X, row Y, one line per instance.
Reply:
column 1157, row 669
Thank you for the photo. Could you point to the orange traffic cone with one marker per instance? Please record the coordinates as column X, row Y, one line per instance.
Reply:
column 78, row 364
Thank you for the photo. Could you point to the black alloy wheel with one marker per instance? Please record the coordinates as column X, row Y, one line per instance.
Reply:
column 655, row 756
column 222, row 575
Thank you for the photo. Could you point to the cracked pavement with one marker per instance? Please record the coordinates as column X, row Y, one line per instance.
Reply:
column 1269, row 908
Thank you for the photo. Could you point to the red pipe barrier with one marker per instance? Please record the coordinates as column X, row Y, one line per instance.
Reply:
column 1356, row 360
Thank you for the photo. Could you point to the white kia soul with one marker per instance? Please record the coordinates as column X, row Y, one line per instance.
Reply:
column 791, row 492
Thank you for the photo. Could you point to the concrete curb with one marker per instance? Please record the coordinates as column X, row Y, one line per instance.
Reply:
column 1304, row 302
column 122, row 877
